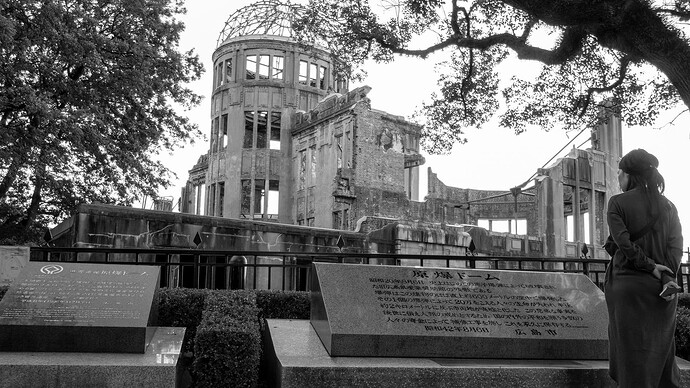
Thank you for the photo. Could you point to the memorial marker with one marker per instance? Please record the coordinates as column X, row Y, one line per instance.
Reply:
column 77, row 307
column 391, row 311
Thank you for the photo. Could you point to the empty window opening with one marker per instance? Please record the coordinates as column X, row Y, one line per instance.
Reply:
column 312, row 165
column 570, row 228
column 273, row 197
column 212, row 200
column 219, row 74
column 313, row 73
column 275, row 130
column 339, row 151
column 322, row 78
column 259, row 197
column 337, row 220
column 228, row 70
column 214, row 134
column 261, row 129
column 303, row 72
column 199, row 193
column 251, row 67
column 224, row 131
column 504, row 226
column 302, row 169
column 221, row 198
column 248, row 130
column 264, row 66
column 278, row 66
column 201, row 200
column 246, row 197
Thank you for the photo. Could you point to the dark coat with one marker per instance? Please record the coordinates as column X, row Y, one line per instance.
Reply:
column 641, row 323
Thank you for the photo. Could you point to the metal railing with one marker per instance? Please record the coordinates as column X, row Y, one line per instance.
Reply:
column 222, row 269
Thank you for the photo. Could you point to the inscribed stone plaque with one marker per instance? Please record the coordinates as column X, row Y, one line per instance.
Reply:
column 76, row 307
column 391, row 311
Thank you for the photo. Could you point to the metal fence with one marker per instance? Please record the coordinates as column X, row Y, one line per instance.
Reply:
column 218, row 269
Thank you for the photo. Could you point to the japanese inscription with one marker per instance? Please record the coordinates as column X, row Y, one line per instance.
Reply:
column 396, row 311
column 65, row 294
column 438, row 300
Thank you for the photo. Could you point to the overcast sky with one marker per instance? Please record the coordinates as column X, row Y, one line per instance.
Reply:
column 493, row 159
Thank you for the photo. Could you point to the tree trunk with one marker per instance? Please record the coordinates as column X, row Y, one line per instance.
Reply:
column 32, row 211
column 9, row 178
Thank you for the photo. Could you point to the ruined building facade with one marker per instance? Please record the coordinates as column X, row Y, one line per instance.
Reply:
column 258, row 85
column 291, row 144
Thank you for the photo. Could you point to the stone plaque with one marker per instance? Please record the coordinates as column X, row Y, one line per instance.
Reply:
column 391, row 311
column 76, row 307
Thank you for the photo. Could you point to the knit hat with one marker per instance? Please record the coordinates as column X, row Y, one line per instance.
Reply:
column 638, row 162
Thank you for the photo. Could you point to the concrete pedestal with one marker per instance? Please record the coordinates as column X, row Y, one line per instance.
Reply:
column 156, row 368
column 297, row 359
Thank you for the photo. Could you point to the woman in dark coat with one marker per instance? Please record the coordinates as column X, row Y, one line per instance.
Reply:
column 641, row 322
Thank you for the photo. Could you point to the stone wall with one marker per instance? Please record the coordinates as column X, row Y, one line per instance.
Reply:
column 106, row 226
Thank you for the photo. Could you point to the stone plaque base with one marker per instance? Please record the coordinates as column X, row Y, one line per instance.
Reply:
column 84, row 340
column 297, row 359
column 157, row 368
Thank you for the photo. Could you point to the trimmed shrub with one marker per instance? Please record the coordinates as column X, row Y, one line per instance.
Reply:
column 182, row 307
column 227, row 346
column 684, row 300
column 3, row 290
column 283, row 304
column 683, row 332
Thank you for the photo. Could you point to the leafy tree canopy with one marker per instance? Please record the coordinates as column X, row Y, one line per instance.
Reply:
column 628, row 55
column 86, row 102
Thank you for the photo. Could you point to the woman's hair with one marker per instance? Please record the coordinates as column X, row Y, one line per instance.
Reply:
column 641, row 166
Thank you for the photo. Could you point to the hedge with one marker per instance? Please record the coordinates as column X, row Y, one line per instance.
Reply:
column 182, row 307
column 283, row 304
column 227, row 346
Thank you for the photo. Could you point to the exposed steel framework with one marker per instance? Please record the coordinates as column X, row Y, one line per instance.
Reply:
column 264, row 17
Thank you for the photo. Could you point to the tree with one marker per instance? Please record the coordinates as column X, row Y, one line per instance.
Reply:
column 627, row 55
column 88, row 96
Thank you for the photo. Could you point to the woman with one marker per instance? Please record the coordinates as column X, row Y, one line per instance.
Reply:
column 641, row 322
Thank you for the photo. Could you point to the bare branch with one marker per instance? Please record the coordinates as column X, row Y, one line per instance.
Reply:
column 672, row 122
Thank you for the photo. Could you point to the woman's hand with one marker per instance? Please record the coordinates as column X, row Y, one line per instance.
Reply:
column 670, row 290
column 659, row 269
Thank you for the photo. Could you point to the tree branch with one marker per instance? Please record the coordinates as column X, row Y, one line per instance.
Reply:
column 682, row 15
column 583, row 103
column 570, row 44
column 467, row 81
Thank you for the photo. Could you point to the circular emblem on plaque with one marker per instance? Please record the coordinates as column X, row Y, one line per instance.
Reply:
column 51, row 269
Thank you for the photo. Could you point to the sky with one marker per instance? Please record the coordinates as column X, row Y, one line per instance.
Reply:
column 493, row 159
